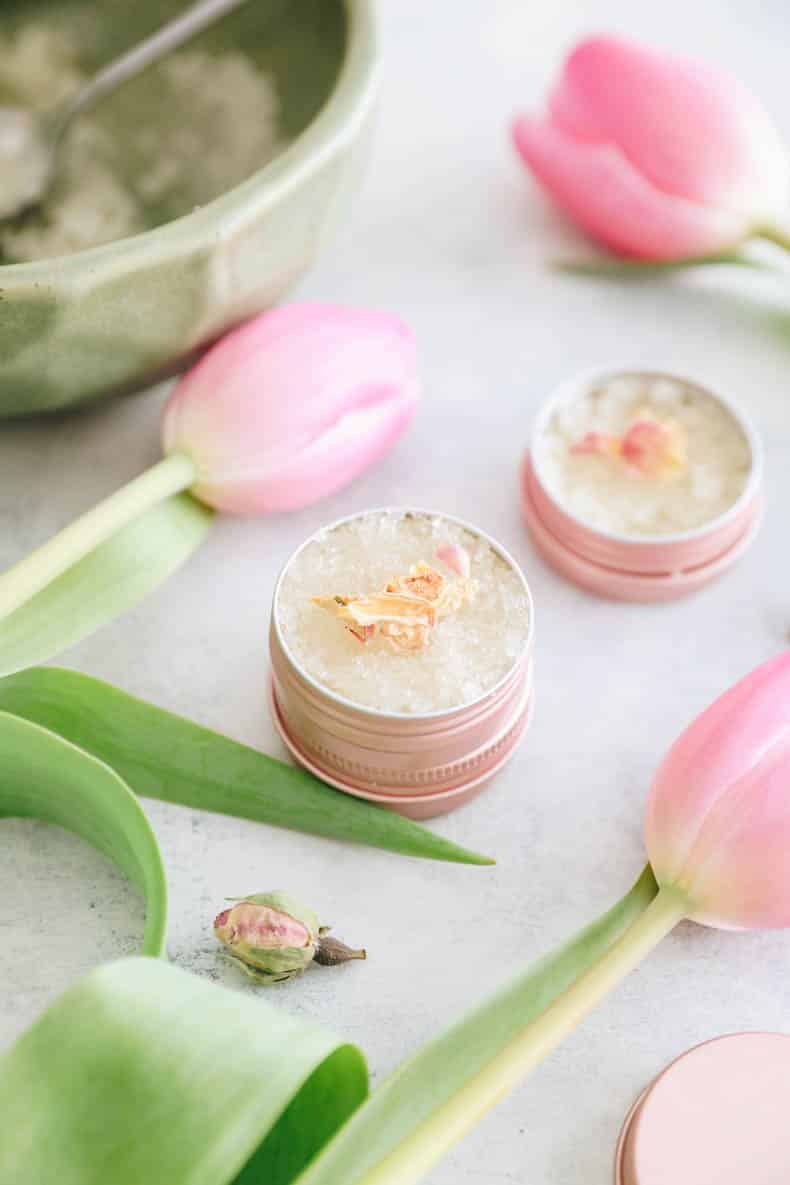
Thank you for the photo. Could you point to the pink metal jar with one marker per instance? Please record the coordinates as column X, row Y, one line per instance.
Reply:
column 637, row 568
column 421, row 764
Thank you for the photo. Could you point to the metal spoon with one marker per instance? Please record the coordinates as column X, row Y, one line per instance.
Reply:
column 30, row 141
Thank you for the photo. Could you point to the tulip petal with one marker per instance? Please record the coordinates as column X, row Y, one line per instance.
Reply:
column 718, row 814
column 601, row 190
column 322, row 465
column 293, row 405
column 690, row 130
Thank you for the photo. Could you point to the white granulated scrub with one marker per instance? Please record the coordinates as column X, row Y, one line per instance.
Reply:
column 198, row 125
column 643, row 455
column 403, row 612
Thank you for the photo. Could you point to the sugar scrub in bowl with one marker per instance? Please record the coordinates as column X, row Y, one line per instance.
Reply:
column 640, row 485
column 401, row 645
column 187, row 200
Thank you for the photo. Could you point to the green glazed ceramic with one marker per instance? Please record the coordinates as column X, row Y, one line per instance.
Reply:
column 117, row 317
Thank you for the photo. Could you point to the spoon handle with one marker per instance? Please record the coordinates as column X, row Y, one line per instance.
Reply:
column 196, row 18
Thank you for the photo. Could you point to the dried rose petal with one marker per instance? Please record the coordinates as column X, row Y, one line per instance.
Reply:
column 601, row 443
column 405, row 637
column 456, row 558
column 655, row 447
column 394, row 608
column 405, row 612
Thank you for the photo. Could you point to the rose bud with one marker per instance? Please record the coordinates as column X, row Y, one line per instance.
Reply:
column 657, row 156
column 272, row 937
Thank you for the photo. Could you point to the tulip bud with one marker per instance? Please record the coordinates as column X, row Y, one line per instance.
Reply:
column 656, row 156
column 718, row 815
column 272, row 937
column 292, row 406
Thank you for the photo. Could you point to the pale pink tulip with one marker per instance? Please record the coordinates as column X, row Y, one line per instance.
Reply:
column 656, row 156
column 292, row 406
column 718, row 814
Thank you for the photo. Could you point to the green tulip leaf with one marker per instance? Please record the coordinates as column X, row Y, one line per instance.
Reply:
column 43, row 776
column 144, row 1073
column 164, row 756
column 181, row 1081
column 610, row 267
column 411, row 1097
column 108, row 581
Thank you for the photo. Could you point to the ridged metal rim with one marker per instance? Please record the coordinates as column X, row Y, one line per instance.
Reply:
column 395, row 796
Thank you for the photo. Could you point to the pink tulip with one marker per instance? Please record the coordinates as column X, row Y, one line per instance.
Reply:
column 718, row 815
column 293, row 406
column 279, row 413
column 656, row 156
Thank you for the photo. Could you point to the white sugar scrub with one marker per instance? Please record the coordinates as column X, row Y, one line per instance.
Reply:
column 479, row 629
column 643, row 454
column 200, row 124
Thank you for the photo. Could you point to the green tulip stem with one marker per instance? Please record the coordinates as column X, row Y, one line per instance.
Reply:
column 32, row 574
column 776, row 233
column 415, row 1156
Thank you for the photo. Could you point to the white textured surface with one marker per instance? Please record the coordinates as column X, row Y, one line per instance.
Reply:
column 449, row 233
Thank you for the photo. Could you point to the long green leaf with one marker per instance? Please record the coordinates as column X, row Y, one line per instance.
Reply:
column 164, row 756
column 145, row 1075
column 115, row 576
column 43, row 776
column 419, row 1087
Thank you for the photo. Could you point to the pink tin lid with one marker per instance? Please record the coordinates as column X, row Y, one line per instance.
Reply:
column 638, row 568
column 718, row 1115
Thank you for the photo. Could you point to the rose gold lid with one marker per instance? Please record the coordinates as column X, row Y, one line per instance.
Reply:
column 716, row 1116
column 420, row 764
column 638, row 568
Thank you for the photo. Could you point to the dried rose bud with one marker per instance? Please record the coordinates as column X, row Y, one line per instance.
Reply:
column 272, row 937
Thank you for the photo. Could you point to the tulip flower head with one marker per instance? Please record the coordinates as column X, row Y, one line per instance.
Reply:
column 718, row 815
column 656, row 156
column 293, row 406
column 282, row 411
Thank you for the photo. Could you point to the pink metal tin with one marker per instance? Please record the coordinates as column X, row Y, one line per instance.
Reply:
column 420, row 765
column 643, row 568
column 716, row 1116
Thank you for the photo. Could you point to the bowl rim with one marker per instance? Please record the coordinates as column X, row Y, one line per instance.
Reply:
column 438, row 714
column 575, row 387
column 332, row 128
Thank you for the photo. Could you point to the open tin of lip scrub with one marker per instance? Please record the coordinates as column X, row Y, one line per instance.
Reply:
column 401, row 652
column 640, row 485
column 716, row 1116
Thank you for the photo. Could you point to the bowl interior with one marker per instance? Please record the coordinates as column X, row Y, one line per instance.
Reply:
column 299, row 45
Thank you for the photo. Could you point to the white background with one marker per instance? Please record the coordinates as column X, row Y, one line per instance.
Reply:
column 450, row 233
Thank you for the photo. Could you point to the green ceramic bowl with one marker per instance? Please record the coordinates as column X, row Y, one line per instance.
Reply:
column 117, row 317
